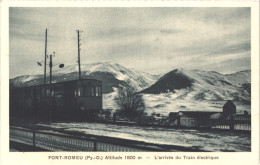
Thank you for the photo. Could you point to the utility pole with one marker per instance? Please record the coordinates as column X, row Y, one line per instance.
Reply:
column 79, row 54
column 50, row 68
column 45, row 57
column 51, row 89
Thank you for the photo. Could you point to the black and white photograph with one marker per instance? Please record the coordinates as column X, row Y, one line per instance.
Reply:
column 130, row 79
column 138, row 83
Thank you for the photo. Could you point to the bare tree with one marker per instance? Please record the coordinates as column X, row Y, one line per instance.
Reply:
column 130, row 102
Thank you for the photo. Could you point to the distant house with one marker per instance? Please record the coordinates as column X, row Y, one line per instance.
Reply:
column 174, row 118
column 195, row 118
column 228, row 119
column 192, row 118
column 229, row 108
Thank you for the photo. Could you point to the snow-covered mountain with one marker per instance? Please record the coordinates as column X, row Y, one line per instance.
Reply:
column 198, row 90
column 201, row 85
column 111, row 74
column 241, row 77
column 177, row 90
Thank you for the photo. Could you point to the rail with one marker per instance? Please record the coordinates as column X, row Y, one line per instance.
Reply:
column 62, row 142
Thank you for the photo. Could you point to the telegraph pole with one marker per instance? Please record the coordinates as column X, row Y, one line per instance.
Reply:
column 79, row 54
column 51, row 90
column 45, row 57
column 50, row 68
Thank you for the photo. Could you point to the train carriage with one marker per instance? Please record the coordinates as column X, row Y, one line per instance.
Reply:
column 69, row 100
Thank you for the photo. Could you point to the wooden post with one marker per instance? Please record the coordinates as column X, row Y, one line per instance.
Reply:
column 50, row 69
column 95, row 144
column 231, row 124
column 79, row 55
column 34, row 147
column 45, row 57
column 178, row 121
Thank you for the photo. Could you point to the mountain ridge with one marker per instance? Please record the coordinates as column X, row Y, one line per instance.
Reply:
column 179, row 89
column 208, row 85
column 115, row 75
column 112, row 75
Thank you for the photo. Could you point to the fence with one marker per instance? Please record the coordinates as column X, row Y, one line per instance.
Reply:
column 235, row 123
column 63, row 142
column 238, row 122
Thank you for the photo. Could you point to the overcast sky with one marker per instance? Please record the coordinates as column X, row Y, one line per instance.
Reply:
column 153, row 40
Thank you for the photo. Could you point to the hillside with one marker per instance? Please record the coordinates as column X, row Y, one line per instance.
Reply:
column 241, row 77
column 179, row 89
column 197, row 90
column 169, row 82
column 112, row 75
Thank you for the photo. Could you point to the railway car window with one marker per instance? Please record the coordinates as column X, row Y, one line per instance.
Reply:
column 80, row 91
column 52, row 93
column 58, row 92
column 88, row 91
column 97, row 91
column 84, row 91
column 48, row 92
column 92, row 91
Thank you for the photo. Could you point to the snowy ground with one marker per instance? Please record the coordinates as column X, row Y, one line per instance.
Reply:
column 209, row 92
column 182, row 100
column 219, row 141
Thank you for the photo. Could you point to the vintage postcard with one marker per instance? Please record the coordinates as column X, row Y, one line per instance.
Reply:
column 133, row 82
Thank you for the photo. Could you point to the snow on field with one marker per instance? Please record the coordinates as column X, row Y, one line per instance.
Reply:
column 182, row 101
column 219, row 141
column 164, row 104
column 108, row 100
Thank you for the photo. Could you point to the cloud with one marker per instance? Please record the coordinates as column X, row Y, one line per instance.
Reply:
column 154, row 40
column 231, row 49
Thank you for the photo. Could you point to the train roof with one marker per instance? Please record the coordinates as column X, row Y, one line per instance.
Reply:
column 62, row 82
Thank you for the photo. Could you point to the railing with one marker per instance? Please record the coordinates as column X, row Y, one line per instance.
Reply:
column 239, row 123
column 233, row 125
column 63, row 142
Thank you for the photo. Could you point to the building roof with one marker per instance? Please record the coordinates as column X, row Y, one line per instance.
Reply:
column 198, row 113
